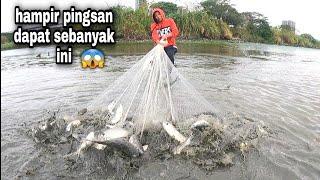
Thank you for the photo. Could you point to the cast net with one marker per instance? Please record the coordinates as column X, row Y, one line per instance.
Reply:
column 151, row 92
column 140, row 101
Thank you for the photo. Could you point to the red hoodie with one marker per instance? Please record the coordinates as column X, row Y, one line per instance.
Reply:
column 166, row 26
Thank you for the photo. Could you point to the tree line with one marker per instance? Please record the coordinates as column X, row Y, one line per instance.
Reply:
column 213, row 19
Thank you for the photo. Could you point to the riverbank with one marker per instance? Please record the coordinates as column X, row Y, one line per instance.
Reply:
column 135, row 45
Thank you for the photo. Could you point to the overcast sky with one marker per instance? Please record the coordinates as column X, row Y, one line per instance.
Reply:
column 304, row 13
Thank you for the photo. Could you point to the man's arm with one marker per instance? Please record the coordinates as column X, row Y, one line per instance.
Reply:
column 154, row 35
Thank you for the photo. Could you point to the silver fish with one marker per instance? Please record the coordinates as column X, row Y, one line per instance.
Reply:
column 87, row 142
column 99, row 146
column 134, row 140
column 200, row 124
column 179, row 148
column 121, row 144
column 111, row 107
column 118, row 115
column 83, row 111
column 173, row 132
column 114, row 133
column 96, row 137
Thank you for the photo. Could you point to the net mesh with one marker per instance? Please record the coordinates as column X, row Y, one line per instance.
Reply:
column 151, row 92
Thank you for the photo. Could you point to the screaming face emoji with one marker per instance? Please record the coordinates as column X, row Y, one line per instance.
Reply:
column 92, row 58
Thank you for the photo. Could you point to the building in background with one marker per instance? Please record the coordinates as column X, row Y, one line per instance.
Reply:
column 289, row 25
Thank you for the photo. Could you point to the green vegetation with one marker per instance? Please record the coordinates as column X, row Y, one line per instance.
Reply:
column 214, row 20
column 8, row 45
column 169, row 8
column 7, row 41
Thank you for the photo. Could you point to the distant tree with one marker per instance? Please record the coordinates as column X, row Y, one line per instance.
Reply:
column 169, row 8
column 309, row 37
column 222, row 9
column 258, row 26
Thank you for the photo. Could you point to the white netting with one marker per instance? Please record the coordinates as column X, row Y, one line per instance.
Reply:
column 151, row 92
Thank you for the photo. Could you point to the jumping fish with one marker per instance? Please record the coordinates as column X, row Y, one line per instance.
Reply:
column 117, row 117
column 173, row 132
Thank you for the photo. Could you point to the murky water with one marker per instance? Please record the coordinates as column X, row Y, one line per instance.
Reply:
column 277, row 85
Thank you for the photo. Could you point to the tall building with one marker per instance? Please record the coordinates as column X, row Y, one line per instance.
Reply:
column 289, row 25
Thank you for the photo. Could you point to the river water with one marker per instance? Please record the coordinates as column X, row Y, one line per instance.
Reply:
column 277, row 85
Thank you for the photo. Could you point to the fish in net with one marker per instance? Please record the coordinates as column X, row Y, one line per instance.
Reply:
column 153, row 108
column 150, row 93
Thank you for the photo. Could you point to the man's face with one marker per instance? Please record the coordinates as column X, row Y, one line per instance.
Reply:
column 158, row 16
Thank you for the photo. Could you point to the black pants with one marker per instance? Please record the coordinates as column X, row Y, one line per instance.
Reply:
column 171, row 51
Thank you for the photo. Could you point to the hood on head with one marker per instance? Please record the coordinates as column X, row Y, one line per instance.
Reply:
column 162, row 14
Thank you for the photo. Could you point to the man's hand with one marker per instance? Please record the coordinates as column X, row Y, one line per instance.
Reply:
column 164, row 37
column 164, row 43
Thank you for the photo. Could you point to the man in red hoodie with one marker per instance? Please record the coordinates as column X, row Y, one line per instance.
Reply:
column 164, row 31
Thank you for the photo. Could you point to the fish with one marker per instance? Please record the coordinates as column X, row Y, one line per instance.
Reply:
column 173, row 132
column 118, row 115
column 200, row 124
column 72, row 124
column 95, row 138
column 111, row 107
column 123, row 145
column 179, row 148
column 87, row 142
column 99, row 146
column 115, row 138
column 114, row 133
column 184, row 142
column 136, row 143
column 83, row 111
